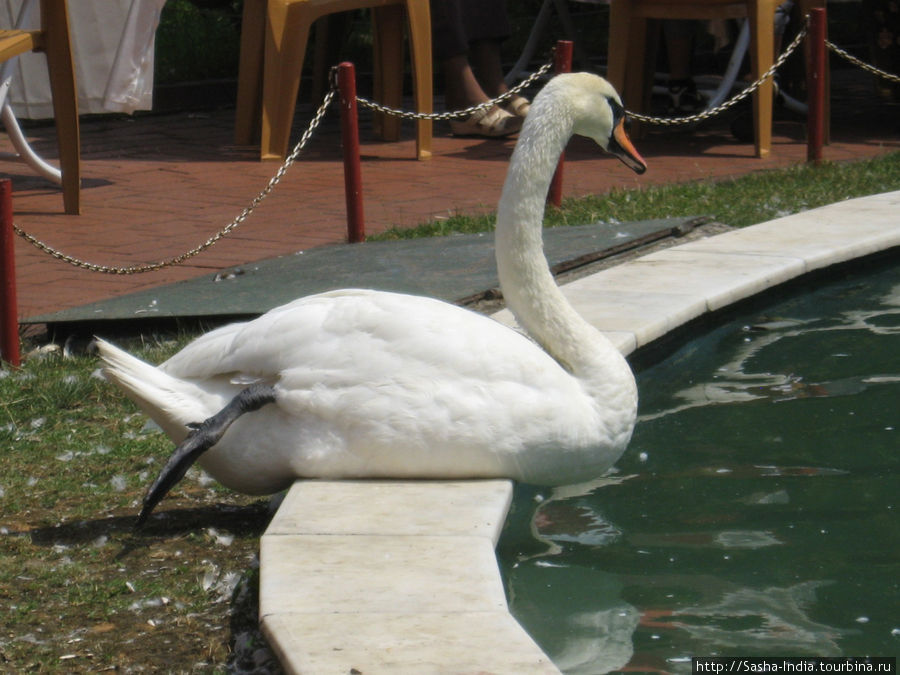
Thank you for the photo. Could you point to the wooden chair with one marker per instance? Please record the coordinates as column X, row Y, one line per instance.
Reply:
column 631, row 54
column 274, row 35
column 52, row 38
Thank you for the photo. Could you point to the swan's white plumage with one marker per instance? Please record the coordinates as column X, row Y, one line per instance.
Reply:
column 375, row 384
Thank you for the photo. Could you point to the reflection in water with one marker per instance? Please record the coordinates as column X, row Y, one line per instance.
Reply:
column 598, row 641
column 754, row 513
column 736, row 381
column 576, row 614
column 769, row 621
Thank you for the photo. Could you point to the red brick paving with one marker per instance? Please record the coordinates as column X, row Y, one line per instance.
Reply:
column 155, row 186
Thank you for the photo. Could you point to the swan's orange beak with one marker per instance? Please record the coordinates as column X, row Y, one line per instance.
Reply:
column 620, row 146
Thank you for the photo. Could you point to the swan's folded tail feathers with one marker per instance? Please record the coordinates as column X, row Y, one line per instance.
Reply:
column 168, row 401
column 135, row 376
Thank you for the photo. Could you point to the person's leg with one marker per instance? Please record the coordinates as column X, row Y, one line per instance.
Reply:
column 461, row 87
column 448, row 34
column 462, row 91
column 487, row 67
column 487, row 25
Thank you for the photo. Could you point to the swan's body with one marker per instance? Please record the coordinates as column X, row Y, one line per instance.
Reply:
column 373, row 384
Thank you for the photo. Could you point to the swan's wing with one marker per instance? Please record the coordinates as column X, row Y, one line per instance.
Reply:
column 359, row 335
column 203, row 357
column 256, row 349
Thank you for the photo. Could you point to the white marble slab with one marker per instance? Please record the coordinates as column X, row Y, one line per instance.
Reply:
column 391, row 577
column 308, row 574
column 714, row 279
column 405, row 644
column 395, row 507
column 820, row 237
column 646, row 316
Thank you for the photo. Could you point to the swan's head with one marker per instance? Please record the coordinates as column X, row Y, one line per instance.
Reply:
column 599, row 114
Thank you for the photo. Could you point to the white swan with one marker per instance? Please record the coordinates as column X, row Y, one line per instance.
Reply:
column 360, row 383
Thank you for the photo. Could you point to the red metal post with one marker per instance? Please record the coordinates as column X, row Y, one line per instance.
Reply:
column 562, row 63
column 815, row 116
column 9, row 312
column 356, row 228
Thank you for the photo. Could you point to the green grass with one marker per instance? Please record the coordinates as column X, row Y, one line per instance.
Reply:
column 79, row 591
column 55, row 413
column 741, row 201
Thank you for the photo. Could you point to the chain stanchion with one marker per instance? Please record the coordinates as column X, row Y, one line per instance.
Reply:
column 562, row 63
column 346, row 83
column 9, row 312
column 815, row 109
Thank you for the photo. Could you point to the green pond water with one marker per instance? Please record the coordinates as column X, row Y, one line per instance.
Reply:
column 755, row 511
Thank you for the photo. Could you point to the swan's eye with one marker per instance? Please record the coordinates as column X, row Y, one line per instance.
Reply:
column 614, row 104
column 617, row 110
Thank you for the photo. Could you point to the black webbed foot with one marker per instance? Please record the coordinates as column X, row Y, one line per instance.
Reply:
column 202, row 437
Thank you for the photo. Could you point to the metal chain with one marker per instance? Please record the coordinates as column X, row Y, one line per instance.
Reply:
column 861, row 64
column 456, row 114
column 711, row 112
column 233, row 225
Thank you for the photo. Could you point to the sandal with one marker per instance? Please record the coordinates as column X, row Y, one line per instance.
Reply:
column 491, row 123
column 518, row 106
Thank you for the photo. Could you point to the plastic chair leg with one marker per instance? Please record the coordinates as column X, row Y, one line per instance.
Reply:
column 619, row 21
column 65, row 102
column 250, row 72
column 388, row 87
column 762, row 50
column 627, row 45
column 287, row 33
column 418, row 15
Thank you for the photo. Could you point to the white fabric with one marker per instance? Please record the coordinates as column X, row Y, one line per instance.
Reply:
column 112, row 45
column 130, row 85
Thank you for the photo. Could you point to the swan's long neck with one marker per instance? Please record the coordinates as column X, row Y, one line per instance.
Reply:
column 528, row 286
